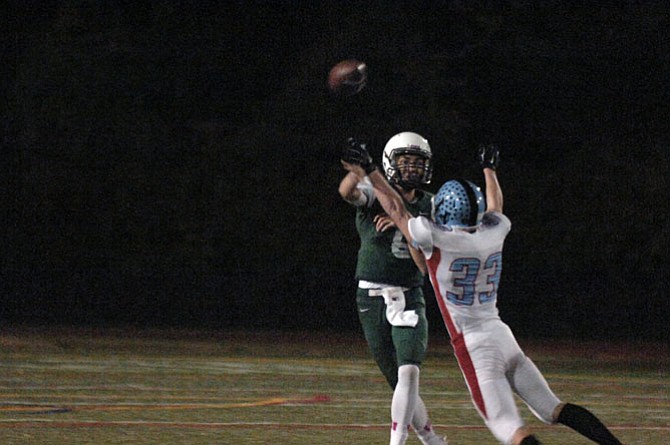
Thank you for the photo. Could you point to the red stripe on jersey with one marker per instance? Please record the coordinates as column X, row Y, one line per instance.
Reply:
column 432, row 264
column 457, row 340
column 468, row 370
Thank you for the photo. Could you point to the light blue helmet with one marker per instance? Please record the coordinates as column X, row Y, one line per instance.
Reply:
column 458, row 203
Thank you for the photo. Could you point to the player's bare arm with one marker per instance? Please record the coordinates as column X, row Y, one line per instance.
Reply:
column 494, row 197
column 348, row 190
column 357, row 160
column 488, row 159
column 391, row 202
column 419, row 259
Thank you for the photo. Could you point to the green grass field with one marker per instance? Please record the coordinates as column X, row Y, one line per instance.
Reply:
column 79, row 386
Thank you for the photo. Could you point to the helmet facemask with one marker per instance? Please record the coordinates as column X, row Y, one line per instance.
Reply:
column 413, row 144
column 409, row 174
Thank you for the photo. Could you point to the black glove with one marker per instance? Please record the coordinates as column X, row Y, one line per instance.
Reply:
column 488, row 156
column 357, row 153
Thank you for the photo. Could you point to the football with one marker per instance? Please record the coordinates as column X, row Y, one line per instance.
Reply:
column 347, row 77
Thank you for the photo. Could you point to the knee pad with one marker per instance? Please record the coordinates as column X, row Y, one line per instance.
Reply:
column 408, row 373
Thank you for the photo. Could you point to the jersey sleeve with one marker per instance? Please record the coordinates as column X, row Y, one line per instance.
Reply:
column 422, row 238
column 495, row 219
column 367, row 197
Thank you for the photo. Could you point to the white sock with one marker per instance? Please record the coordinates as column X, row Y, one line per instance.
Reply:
column 404, row 399
column 422, row 425
column 398, row 436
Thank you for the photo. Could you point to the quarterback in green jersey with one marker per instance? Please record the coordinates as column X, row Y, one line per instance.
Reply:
column 390, row 300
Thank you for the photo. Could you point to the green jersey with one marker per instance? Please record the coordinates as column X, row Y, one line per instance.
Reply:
column 384, row 257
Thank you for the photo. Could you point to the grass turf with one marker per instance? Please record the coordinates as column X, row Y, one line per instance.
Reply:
column 130, row 386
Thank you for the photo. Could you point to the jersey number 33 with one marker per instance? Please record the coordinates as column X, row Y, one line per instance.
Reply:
column 474, row 280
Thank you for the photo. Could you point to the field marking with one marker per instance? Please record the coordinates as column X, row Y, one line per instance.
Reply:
column 54, row 409
column 46, row 423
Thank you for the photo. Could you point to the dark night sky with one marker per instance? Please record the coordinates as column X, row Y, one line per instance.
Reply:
column 172, row 165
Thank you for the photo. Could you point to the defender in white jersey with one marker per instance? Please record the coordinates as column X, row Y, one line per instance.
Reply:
column 462, row 248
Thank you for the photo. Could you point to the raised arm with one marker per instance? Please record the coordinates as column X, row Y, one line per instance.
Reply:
column 494, row 197
column 348, row 190
column 394, row 205
column 391, row 201
column 357, row 160
column 488, row 159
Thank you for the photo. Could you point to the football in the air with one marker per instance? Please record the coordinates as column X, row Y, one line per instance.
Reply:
column 347, row 77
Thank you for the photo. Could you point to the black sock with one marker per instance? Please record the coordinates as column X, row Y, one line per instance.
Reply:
column 530, row 440
column 586, row 424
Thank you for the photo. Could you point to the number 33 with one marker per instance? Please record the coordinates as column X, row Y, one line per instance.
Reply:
column 470, row 269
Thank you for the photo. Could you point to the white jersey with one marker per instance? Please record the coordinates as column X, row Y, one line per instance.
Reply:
column 465, row 267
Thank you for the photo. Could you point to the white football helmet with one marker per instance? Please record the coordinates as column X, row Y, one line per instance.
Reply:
column 407, row 143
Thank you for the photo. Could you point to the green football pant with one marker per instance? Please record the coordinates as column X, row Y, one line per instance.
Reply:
column 393, row 346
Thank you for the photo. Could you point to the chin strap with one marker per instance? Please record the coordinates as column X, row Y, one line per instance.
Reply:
column 407, row 186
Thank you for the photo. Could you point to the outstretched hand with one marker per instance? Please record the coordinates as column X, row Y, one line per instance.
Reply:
column 488, row 156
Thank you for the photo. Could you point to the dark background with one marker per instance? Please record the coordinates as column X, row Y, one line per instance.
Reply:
column 176, row 163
